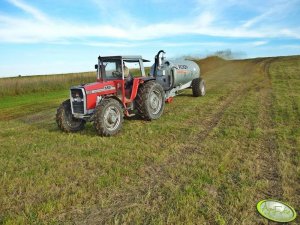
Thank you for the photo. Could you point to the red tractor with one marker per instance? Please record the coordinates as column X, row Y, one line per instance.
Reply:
column 117, row 93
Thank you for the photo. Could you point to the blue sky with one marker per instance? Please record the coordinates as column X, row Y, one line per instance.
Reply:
column 50, row 36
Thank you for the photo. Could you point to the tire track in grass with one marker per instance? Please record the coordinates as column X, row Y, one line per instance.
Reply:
column 267, row 169
column 156, row 175
column 269, row 157
column 213, row 122
column 270, row 142
column 267, row 153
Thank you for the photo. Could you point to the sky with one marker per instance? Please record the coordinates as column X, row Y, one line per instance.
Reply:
column 51, row 36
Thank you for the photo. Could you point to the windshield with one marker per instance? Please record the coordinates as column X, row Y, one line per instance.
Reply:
column 111, row 69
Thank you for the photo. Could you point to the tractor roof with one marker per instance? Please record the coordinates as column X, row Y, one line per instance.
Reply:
column 128, row 58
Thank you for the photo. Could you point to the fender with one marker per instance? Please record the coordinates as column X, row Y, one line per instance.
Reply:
column 146, row 78
column 136, row 84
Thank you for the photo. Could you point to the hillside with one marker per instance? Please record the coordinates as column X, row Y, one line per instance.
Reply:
column 207, row 160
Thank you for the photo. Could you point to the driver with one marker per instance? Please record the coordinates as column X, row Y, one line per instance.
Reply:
column 126, row 71
column 127, row 76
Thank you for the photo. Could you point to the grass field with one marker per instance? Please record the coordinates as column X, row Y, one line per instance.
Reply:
column 31, row 84
column 207, row 160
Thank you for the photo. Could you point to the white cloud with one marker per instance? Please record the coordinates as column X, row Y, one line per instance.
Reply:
column 30, row 10
column 114, row 12
column 152, row 43
column 259, row 43
column 276, row 11
column 42, row 28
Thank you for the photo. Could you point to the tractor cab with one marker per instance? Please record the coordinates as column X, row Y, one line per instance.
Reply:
column 117, row 67
column 125, row 71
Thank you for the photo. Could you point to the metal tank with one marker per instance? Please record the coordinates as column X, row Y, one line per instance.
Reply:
column 174, row 73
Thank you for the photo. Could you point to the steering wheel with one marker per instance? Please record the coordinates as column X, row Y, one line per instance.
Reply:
column 116, row 74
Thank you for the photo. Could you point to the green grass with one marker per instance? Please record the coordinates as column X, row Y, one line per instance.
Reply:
column 32, row 84
column 205, row 161
column 18, row 86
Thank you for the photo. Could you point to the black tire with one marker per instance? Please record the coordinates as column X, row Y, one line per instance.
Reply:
column 65, row 120
column 150, row 100
column 108, row 118
column 198, row 87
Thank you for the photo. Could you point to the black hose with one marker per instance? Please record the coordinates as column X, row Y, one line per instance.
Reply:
column 156, row 62
column 172, row 80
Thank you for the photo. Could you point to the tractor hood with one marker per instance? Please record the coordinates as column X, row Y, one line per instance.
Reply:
column 99, row 87
column 92, row 91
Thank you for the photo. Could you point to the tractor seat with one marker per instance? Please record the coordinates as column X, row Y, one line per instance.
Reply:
column 128, row 86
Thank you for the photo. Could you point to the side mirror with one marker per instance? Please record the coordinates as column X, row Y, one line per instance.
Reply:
column 96, row 66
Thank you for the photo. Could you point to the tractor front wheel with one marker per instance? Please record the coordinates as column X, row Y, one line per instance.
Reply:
column 108, row 118
column 198, row 87
column 150, row 100
column 65, row 120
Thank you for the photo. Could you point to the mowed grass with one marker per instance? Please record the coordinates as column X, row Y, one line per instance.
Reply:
column 207, row 160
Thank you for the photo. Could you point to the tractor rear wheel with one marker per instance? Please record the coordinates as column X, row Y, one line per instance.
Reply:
column 150, row 100
column 65, row 120
column 108, row 117
column 198, row 87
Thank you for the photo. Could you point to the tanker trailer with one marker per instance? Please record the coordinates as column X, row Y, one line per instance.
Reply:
column 176, row 75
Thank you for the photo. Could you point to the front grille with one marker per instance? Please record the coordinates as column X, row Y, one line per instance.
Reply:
column 78, row 100
column 78, row 107
column 76, row 93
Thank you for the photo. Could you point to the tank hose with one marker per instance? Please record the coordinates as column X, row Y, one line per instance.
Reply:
column 156, row 62
column 172, row 80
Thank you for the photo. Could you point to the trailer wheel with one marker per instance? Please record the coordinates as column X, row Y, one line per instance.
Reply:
column 65, row 120
column 198, row 87
column 108, row 118
column 150, row 100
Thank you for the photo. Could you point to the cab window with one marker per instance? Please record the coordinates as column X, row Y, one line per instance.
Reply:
column 112, row 69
